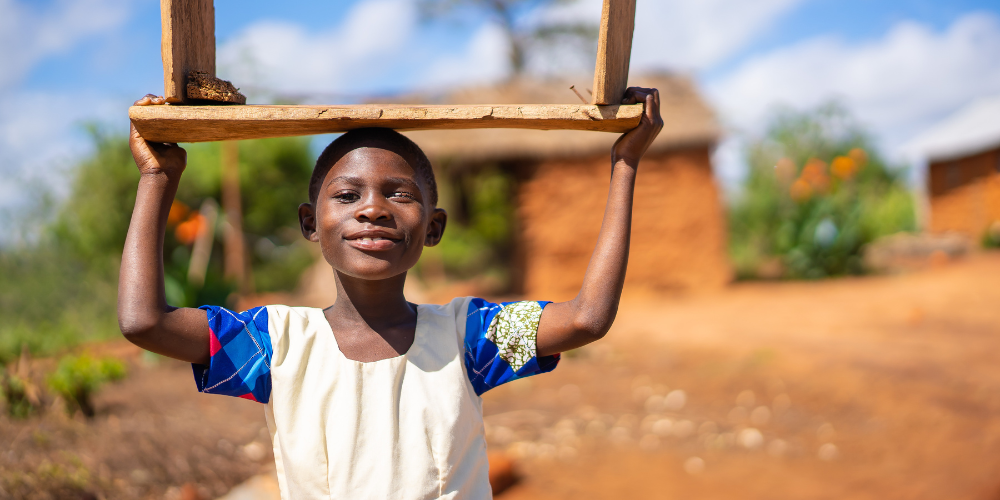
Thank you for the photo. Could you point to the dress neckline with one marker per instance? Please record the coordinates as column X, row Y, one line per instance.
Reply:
column 409, row 351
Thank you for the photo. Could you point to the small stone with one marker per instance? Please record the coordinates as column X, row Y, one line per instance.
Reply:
column 751, row 438
column 675, row 400
column 694, row 465
column 662, row 427
column 254, row 451
column 760, row 415
column 828, row 452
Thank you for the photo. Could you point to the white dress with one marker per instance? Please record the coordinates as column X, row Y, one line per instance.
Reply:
column 408, row 427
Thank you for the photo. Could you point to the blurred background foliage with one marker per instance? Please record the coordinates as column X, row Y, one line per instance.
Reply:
column 58, row 287
column 816, row 193
column 478, row 242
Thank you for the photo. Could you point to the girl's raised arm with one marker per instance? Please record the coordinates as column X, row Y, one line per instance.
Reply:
column 144, row 316
column 588, row 317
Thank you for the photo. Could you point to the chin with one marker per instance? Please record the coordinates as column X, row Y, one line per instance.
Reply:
column 368, row 267
column 372, row 274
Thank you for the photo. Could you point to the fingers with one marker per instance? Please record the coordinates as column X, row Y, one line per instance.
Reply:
column 634, row 95
column 133, row 134
column 150, row 99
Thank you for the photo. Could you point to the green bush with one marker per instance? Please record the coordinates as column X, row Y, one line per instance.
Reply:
column 77, row 378
column 817, row 192
column 991, row 238
column 14, row 392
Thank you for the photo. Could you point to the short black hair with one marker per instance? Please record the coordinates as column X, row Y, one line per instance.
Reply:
column 382, row 138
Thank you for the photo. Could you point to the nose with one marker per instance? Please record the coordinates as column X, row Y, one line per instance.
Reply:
column 373, row 208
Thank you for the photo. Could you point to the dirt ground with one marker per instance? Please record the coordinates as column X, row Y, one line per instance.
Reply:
column 878, row 387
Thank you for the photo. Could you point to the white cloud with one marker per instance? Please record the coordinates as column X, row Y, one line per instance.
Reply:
column 686, row 35
column 699, row 34
column 483, row 60
column 36, row 148
column 28, row 34
column 349, row 58
column 897, row 84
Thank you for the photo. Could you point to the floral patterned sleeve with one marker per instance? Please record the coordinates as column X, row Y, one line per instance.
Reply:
column 500, row 343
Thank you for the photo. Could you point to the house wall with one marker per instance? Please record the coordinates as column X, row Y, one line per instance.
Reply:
column 965, row 194
column 678, row 228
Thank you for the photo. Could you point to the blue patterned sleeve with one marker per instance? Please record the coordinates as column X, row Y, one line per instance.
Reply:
column 500, row 343
column 240, row 348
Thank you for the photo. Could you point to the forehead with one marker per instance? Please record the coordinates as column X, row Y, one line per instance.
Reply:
column 372, row 164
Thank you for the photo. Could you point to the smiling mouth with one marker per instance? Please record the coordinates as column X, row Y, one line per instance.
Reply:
column 372, row 243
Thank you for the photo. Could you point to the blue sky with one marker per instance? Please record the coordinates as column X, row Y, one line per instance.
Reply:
column 899, row 65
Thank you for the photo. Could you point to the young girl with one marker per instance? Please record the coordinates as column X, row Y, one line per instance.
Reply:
column 372, row 397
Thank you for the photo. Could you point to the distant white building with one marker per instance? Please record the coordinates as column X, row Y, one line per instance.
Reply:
column 963, row 169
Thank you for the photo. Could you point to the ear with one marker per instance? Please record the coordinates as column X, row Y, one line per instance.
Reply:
column 435, row 230
column 307, row 222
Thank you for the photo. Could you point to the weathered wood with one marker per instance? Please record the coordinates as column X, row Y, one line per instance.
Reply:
column 187, row 43
column 224, row 123
column 614, row 49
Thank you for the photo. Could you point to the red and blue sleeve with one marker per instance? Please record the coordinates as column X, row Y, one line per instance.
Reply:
column 240, row 349
column 500, row 343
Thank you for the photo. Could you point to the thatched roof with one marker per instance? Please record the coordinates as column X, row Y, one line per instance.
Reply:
column 687, row 120
column 971, row 130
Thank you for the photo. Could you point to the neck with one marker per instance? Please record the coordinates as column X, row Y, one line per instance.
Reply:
column 377, row 303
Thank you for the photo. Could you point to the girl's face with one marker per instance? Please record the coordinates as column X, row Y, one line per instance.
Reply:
column 372, row 218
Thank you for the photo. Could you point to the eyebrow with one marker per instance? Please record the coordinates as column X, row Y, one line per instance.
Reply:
column 358, row 181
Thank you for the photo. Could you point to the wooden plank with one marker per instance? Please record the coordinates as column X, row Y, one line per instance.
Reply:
column 614, row 49
column 187, row 43
column 225, row 123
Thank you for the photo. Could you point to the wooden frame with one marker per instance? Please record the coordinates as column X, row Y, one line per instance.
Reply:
column 188, row 44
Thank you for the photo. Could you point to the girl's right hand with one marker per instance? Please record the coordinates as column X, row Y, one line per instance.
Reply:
column 155, row 157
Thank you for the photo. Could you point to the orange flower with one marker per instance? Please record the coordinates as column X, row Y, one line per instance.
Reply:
column 859, row 156
column 815, row 174
column 178, row 211
column 843, row 167
column 189, row 230
column 801, row 190
column 785, row 170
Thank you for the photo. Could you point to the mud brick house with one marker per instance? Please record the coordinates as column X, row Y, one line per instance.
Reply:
column 963, row 175
column 562, row 177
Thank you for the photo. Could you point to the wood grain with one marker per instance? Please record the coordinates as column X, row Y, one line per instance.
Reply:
column 614, row 49
column 224, row 123
column 187, row 43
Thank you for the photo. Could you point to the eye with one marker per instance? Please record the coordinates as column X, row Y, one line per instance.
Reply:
column 347, row 196
column 403, row 195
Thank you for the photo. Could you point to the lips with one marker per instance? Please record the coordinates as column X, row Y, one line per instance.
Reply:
column 372, row 240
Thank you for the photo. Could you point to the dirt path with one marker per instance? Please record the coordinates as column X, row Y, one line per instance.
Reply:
column 884, row 387
column 856, row 388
